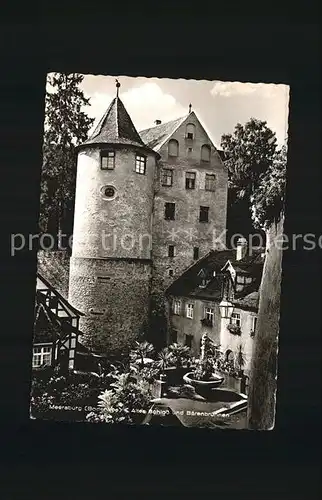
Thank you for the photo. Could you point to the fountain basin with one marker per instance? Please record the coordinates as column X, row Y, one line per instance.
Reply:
column 214, row 381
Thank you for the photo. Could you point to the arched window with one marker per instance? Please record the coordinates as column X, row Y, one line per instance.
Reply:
column 229, row 355
column 173, row 148
column 205, row 152
column 190, row 131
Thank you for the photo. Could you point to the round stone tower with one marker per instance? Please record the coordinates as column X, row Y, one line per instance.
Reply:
column 110, row 267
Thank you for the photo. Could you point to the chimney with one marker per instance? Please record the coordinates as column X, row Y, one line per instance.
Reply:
column 157, row 122
column 241, row 248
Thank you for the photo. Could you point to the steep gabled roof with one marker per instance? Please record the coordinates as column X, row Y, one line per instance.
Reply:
column 213, row 266
column 115, row 127
column 187, row 284
column 155, row 137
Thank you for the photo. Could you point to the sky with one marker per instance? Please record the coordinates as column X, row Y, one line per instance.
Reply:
column 219, row 105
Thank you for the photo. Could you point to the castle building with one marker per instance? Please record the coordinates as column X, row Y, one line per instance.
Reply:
column 147, row 206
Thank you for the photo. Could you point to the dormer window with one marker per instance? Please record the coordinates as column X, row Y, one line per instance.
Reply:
column 205, row 153
column 203, row 278
column 173, row 147
column 140, row 164
column 107, row 160
column 190, row 131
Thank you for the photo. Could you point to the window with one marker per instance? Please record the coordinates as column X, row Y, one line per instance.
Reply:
column 240, row 278
column 203, row 215
column 205, row 152
column 254, row 323
column 169, row 211
column 190, row 311
column 170, row 272
column 173, row 148
column 109, row 192
column 190, row 131
column 188, row 341
column 190, row 180
column 140, row 164
column 167, row 177
column 177, row 307
column 41, row 356
column 210, row 182
column 174, row 337
column 171, row 251
column 235, row 319
column 209, row 315
column 107, row 160
column 196, row 253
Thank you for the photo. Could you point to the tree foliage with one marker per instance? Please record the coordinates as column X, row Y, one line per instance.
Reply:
column 269, row 199
column 249, row 153
column 66, row 126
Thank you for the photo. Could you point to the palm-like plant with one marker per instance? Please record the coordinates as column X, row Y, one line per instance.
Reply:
column 179, row 354
column 141, row 351
column 164, row 359
column 126, row 398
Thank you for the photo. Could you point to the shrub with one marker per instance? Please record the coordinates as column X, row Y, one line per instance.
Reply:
column 124, row 402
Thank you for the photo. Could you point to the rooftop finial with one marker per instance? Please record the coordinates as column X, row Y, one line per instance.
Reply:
column 190, row 106
column 117, row 87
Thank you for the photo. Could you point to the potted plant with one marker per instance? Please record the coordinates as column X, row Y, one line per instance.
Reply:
column 204, row 376
column 206, row 322
column 177, row 363
column 234, row 329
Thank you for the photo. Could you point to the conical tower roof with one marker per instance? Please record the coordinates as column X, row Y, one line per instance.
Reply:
column 115, row 127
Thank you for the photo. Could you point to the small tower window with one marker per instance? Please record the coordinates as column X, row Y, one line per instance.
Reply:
column 170, row 272
column 140, row 164
column 173, row 147
column 167, row 177
column 108, row 192
column 210, row 182
column 196, row 253
column 107, row 160
column 190, row 180
column 204, row 214
column 205, row 152
column 169, row 211
column 190, row 131
column 171, row 251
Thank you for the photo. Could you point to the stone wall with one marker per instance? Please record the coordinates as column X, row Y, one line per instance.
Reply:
column 114, row 296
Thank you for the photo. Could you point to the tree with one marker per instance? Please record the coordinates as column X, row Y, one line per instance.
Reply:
column 66, row 126
column 268, row 200
column 249, row 153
